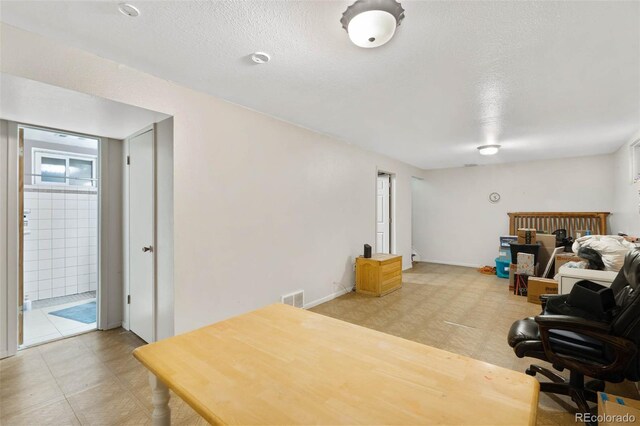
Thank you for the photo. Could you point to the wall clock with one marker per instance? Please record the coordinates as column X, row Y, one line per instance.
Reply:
column 494, row 197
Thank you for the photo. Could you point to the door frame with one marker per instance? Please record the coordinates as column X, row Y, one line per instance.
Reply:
column 13, row 232
column 392, row 207
column 126, row 228
column 9, row 298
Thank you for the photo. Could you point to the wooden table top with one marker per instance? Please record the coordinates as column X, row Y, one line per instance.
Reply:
column 283, row 365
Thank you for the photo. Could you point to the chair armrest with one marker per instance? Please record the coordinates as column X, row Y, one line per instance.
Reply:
column 623, row 349
column 544, row 298
column 571, row 323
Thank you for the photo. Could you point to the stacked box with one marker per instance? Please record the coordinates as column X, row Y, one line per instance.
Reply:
column 526, row 236
column 525, row 265
column 537, row 286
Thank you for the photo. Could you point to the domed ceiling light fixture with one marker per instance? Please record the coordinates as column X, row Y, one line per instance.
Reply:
column 372, row 23
column 488, row 149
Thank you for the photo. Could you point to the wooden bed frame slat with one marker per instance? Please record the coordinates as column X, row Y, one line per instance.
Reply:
column 596, row 222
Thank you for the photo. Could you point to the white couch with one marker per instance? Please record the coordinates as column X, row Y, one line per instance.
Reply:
column 567, row 277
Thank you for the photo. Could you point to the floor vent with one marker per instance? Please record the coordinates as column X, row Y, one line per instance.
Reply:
column 294, row 299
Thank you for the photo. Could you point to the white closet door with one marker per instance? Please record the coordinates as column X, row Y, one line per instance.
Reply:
column 383, row 233
column 141, row 235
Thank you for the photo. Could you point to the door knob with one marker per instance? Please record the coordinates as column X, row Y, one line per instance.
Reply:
column 146, row 249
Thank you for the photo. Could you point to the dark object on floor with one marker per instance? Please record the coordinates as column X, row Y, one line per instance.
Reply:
column 367, row 251
column 562, row 239
column 593, row 257
column 603, row 350
column 85, row 313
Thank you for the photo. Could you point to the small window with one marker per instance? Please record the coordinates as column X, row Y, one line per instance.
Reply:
column 63, row 168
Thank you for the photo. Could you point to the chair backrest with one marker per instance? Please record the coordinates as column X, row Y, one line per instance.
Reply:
column 626, row 323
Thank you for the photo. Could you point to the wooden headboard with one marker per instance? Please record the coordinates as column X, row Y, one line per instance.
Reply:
column 596, row 222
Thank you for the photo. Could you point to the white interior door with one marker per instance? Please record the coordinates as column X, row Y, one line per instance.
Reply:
column 383, row 222
column 141, row 235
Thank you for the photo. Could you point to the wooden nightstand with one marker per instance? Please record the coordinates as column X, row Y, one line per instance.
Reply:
column 379, row 275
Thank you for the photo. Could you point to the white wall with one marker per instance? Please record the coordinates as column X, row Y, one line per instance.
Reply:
column 261, row 207
column 164, row 225
column 626, row 212
column 454, row 222
column 60, row 240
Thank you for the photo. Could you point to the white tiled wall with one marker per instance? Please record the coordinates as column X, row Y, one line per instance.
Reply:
column 60, row 241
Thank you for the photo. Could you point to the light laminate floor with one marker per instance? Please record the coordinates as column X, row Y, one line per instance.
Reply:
column 93, row 379
column 459, row 310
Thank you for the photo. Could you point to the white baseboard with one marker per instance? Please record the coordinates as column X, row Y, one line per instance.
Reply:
column 114, row 325
column 327, row 298
column 444, row 262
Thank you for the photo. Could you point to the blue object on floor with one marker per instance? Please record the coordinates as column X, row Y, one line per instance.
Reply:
column 85, row 313
column 502, row 267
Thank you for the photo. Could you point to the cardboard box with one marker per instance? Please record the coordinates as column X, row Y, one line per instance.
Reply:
column 526, row 236
column 563, row 258
column 512, row 277
column 615, row 410
column 548, row 245
column 525, row 264
column 538, row 286
column 513, row 274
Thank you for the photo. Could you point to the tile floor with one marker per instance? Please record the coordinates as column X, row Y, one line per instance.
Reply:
column 93, row 379
column 90, row 379
column 41, row 327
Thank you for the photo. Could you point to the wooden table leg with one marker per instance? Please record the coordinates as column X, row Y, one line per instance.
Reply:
column 161, row 415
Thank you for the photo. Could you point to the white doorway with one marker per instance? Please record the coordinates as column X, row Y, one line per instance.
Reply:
column 384, row 213
column 141, row 235
column 58, row 234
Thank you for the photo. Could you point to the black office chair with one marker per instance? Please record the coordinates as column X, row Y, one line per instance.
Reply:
column 606, row 350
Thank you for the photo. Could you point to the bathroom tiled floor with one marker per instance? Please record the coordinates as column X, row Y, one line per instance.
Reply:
column 41, row 327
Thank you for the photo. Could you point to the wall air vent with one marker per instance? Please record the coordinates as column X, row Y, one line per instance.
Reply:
column 295, row 299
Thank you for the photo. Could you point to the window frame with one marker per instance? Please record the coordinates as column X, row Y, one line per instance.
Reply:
column 36, row 167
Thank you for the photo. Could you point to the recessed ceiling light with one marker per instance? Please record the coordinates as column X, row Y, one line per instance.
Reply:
column 488, row 149
column 372, row 23
column 129, row 10
column 260, row 58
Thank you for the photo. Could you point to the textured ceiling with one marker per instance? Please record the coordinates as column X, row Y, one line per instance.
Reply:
column 544, row 79
column 32, row 102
